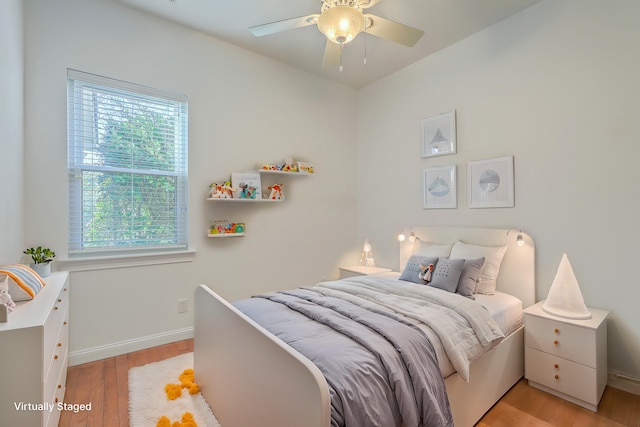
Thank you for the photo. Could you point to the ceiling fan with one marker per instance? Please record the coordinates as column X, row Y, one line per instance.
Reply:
column 341, row 21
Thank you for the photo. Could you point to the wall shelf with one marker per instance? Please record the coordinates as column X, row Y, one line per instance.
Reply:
column 253, row 178
column 211, row 199
column 265, row 171
column 227, row 235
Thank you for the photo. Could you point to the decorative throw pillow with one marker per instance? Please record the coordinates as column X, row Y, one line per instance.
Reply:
column 469, row 277
column 430, row 249
column 447, row 274
column 24, row 283
column 492, row 259
column 412, row 270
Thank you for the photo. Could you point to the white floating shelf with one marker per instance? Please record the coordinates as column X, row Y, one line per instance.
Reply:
column 210, row 199
column 285, row 172
column 226, row 235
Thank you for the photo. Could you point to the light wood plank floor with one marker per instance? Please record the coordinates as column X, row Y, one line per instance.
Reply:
column 104, row 384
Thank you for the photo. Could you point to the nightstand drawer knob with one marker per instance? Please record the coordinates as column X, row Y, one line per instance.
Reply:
column 556, row 376
column 556, row 366
column 556, row 330
column 555, row 342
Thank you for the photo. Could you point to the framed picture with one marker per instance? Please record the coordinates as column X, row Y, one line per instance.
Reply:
column 490, row 183
column 247, row 185
column 440, row 188
column 439, row 134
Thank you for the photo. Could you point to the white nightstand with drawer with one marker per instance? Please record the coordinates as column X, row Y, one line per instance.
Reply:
column 566, row 357
column 361, row 270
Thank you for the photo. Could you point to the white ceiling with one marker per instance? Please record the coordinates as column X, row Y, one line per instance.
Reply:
column 443, row 21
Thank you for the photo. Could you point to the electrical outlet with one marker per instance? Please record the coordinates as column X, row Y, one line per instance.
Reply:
column 182, row 306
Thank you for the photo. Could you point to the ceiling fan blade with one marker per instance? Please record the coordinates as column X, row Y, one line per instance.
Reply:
column 394, row 31
column 332, row 54
column 284, row 25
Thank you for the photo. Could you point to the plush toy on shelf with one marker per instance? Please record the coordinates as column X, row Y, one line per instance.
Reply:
column 276, row 192
column 221, row 191
column 227, row 190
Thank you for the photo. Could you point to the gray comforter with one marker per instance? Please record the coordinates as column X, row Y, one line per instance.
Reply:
column 381, row 369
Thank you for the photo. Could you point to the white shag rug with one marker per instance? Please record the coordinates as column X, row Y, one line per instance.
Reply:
column 148, row 401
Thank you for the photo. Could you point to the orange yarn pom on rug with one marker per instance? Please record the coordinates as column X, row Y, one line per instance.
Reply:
column 156, row 396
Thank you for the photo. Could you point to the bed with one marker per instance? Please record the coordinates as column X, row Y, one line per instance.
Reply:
column 252, row 378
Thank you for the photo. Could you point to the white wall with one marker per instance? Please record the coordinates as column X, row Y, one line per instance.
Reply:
column 556, row 87
column 11, row 133
column 243, row 109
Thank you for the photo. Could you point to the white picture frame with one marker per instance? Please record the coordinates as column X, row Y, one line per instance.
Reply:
column 439, row 135
column 439, row 188
column 490, row 183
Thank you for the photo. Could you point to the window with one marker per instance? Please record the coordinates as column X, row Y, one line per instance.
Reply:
column 127, row 161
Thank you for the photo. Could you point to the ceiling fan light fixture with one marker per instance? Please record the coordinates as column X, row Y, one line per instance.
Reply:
column 341, row 24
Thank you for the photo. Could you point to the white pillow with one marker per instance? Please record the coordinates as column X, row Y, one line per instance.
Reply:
column 492, row 259
column 429, row 249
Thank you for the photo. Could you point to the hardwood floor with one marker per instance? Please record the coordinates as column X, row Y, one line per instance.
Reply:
column 104, row 384
column 527, row 406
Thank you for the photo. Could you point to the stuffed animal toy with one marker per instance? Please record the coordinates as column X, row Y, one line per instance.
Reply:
column 227, row 190
column 5, row 297
column 425, row 272
column 215, row 191
column 276, row 192
column 221, row 191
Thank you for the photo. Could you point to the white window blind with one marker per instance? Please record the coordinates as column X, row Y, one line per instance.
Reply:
column 127, row 161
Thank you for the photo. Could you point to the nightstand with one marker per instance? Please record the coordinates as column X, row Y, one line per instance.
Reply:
column 566, row 357
column 361, row 270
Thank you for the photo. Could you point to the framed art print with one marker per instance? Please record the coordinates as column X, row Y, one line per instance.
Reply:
column 440, row 188
column 439, row 134
column 490, row 183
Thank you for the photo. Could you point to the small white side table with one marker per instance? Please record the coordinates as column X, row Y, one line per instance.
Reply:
column 361, row 270
column 566, row 357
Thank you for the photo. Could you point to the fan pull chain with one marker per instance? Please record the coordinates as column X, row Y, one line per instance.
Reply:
column 365, row 46
column 341, row 48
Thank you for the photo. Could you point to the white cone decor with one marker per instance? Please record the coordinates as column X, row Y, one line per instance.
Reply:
column 565, row 298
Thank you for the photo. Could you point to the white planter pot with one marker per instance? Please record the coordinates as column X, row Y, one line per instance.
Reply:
column 42, row 269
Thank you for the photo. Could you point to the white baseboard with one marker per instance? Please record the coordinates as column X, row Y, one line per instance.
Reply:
column 122, row 347
column 630, row 386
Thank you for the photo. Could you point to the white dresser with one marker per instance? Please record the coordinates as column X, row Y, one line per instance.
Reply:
column 565, row 357
column 33, row 356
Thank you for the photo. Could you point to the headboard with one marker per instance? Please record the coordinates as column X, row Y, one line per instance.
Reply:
column 517, row 271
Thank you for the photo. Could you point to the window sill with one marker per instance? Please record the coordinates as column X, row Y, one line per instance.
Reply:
column 121, row 261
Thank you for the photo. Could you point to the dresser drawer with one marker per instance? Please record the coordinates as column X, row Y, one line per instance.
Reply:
column 58, row 396
column 54, row 324
column 56, row 375
column 562, row 375
column 561, row 339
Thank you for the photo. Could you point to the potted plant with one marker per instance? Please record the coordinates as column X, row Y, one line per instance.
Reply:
column 42, row 258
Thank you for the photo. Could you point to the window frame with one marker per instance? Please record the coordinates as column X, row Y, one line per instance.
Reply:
column 77, row 82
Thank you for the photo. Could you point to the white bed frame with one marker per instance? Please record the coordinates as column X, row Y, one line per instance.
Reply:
column 251, row 378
